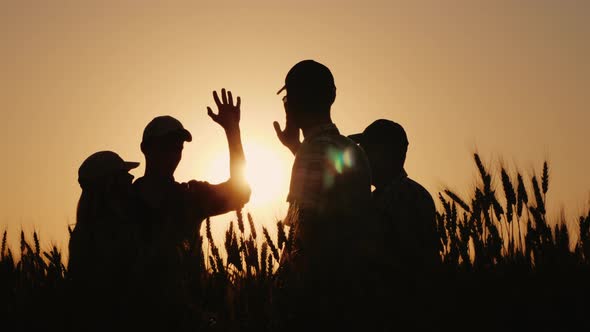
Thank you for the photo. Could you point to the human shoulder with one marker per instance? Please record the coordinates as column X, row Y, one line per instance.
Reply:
column 335, row 139
column 138, row 183
column 419, row 192
column 323, row 145
column 195, row 186
column 311, row 147
column 156, row 192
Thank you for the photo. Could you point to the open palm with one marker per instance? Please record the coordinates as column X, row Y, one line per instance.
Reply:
column 290, row 136
column 228, row 115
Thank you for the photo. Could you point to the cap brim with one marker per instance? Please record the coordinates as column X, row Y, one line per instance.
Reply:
column 129, row 165
column 186, row 135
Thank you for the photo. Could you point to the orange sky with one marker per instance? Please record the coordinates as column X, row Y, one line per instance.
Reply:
column 508, row 78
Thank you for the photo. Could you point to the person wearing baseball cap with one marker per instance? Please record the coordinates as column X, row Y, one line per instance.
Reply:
column 403, row 208
column 101, row 165
column 311, row 91
column 102, row 244
column 171, row 212
column 329, row 190
column 385, row 143
column 162, row 144
column 165, row 125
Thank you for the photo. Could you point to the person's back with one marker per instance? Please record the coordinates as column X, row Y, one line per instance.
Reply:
column 407, row 214
column 170, row 242
column 168, row 211
column 166, row 221
column 330, row 173
column 99, row 247
column 170, row 215
column 102, row 244
column 404, row 209
column 330, row 184
column 404, row 212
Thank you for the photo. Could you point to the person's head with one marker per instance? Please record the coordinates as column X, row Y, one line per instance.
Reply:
column 105, row 171
column 162, row 144
column 310, row 92
column 386, row 144
column 105, row 181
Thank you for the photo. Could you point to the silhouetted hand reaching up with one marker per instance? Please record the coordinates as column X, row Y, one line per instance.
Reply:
column 228, row 115
column 290, row 136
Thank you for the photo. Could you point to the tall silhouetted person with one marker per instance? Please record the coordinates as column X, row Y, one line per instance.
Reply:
column 406, row 217
column 102, row 244
column 329, row 189
column 172, row 212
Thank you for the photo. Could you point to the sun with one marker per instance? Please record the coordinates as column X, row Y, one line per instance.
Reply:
column 267, row 171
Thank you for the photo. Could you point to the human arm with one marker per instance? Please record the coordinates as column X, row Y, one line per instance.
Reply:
column 217, row 199
column 235, row 192
column 228, row 117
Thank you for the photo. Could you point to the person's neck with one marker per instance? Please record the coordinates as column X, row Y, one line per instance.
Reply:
column 155, row 172
column 310, row 125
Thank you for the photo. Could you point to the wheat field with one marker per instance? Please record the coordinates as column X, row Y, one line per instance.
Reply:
column 503, row 266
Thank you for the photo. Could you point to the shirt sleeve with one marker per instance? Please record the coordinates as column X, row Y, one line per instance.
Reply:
column 215, row 199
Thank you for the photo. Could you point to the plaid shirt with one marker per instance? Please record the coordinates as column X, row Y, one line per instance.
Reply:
column 406, row 213
column 330, row 172
column 329, row 192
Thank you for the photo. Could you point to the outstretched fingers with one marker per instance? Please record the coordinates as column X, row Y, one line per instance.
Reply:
column 230, row 98
column 224, row 96
column 216, row 98
column 277, row 127
column 212, row 115
column 227, row 114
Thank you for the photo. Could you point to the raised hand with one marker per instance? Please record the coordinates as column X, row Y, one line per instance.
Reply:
column 228, row 115
column 290, row 136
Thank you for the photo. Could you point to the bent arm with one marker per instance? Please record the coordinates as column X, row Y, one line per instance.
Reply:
column 216, row 199
column 234, row 193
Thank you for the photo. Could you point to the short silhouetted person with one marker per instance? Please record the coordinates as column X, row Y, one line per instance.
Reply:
column 172, row 212
column 329, row 189
column 406, row 217
column 405, row 208
column 102, row 243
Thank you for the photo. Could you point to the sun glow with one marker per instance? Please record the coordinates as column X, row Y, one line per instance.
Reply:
column 267, row 171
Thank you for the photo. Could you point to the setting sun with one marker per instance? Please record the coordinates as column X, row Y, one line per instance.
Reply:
column 267, row 172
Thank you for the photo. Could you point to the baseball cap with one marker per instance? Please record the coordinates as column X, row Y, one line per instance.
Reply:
column 309, row 75
column 103, row 163
column 382, row 130
column 163, row 125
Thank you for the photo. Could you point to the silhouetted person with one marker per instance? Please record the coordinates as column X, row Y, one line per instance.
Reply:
column 171, row 212
column 406, row 208
column 329, row 190
column 102, row 243
column 406, row 216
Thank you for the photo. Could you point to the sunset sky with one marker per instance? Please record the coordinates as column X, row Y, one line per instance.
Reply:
column 510, row 79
